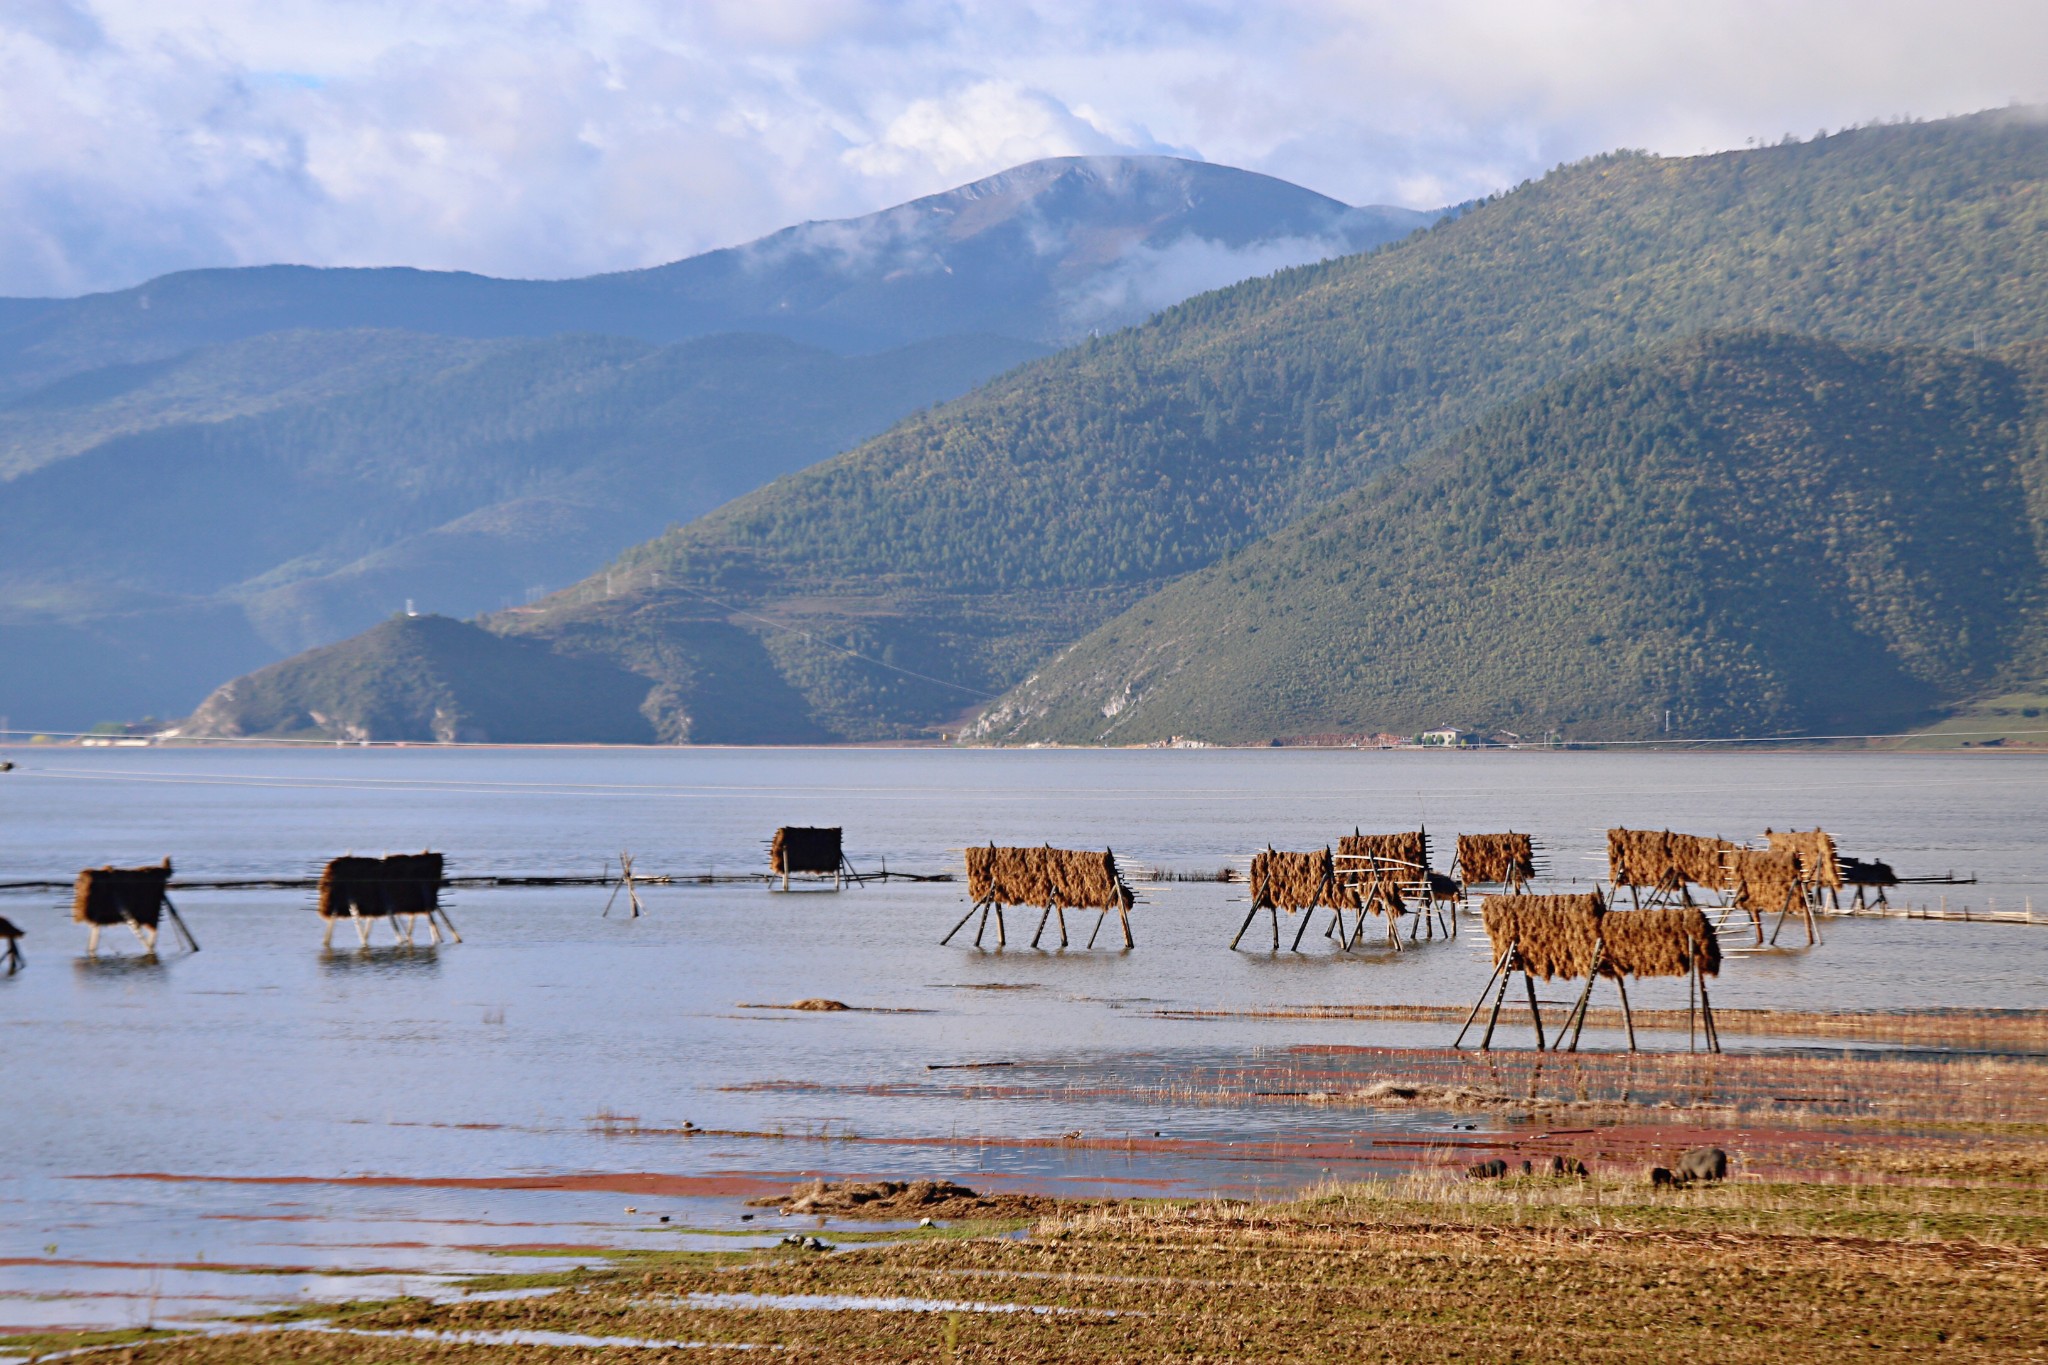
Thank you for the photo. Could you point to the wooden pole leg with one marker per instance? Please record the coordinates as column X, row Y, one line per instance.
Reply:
column 1692, row 997
column 1478, row 1005
column 1713, row 1034
column 1628, row 1019
column 1248, row 916
column 1535, row 1014
column 1577, row 1013
column 1507, row 975
column 958, row 927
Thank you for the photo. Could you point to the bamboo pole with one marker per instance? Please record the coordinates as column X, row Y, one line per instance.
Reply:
column 961, row 925
column 1479, row 1004
column 1535, row 1014
column 179, row 921
column 1706, row 1010
column 1486, row 1042
column 1692, row 987
column 1578, row 1009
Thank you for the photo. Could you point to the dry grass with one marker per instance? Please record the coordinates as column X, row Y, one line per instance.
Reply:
column 1815, row 850
column 1666, row 942
column 1296, row 881
column 116, row 895
column 805, row 849
column 1497, row 859
column 1553, row 936
column 1075, row 879
column 1421, row 1269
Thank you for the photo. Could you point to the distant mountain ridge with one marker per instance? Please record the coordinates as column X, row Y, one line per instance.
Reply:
column 1041, row 253
column 899, row 588
column 218, row 467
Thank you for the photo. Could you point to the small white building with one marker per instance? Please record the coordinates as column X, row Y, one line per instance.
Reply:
column 1446, row 737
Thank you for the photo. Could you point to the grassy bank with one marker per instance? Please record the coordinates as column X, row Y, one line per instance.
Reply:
column 1949, row 1258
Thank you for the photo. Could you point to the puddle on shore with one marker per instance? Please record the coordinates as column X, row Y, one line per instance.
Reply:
column 855, row 1303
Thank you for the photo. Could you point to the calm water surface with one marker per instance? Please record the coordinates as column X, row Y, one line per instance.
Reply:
column 553, row 1039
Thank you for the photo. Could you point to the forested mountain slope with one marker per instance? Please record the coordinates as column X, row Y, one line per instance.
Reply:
column 390, row 682
column 1758, row 534
column 895, row 587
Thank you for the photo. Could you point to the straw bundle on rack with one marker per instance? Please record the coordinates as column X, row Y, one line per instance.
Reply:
column 412, row 883
column 1660, row 858
column 352, row 886
column 1638, row 857
column 1076, row 879
column 1294, row 881
column 372, row 888
column 1815, row 850
column 119, row 895
column 1405, row 852
column 1698, row 859
column 1657, row 943
column 1374, row 896
column 1856, row 872
column 797, row 848
column 1762, row 880
column 1553, row 936
column 1497, row 858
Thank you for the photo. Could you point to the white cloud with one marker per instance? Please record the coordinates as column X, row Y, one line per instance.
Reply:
column 965, row 133
column 554, row 137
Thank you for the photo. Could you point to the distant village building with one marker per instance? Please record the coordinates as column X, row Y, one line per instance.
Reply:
column 1447, row 737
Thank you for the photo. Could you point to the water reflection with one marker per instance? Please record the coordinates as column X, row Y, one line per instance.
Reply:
column 391, row 960
column 1183, row 1066
column 105, row 966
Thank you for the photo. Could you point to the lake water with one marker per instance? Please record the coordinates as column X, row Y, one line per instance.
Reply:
column 366, row 1111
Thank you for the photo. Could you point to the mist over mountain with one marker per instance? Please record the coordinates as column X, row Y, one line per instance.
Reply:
column 1042, row 252
column 206, row 472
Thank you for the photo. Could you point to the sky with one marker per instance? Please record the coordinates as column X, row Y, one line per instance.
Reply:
column 549, row 138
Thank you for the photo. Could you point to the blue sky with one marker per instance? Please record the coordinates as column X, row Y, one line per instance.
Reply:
column 563, row 137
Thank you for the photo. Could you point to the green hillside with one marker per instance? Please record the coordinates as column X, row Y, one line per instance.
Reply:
column 390, row 682
column 1762, row 534
column 896, row 588
column 971, row 541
